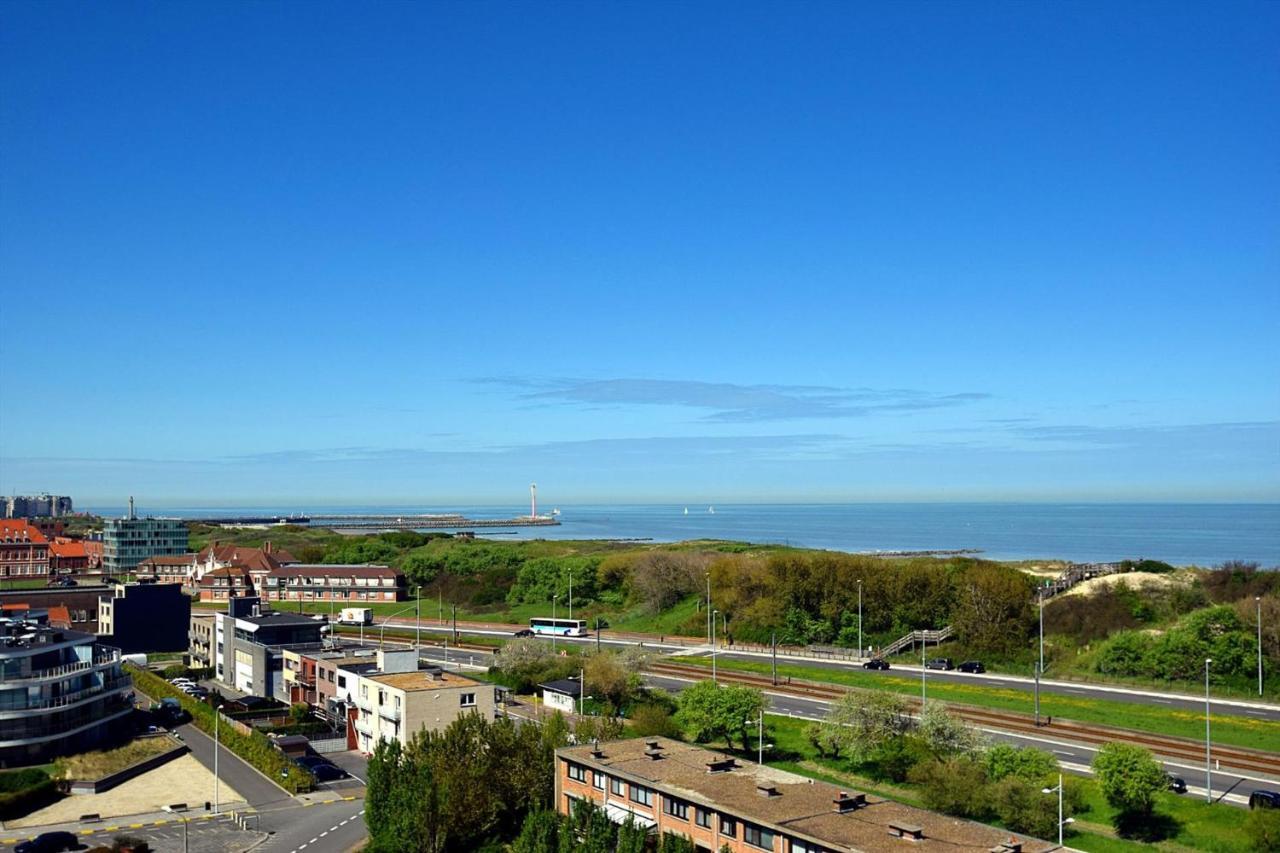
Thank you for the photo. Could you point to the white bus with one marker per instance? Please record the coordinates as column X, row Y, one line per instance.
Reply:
column 562, row 627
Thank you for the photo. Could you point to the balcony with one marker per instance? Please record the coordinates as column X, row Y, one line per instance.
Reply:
column 68, row 700
column 392, row 714
column 66, row 669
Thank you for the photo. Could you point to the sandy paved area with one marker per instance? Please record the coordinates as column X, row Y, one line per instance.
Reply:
column 183, row 780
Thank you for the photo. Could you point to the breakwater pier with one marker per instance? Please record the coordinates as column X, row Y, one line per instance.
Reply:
column 427, row 522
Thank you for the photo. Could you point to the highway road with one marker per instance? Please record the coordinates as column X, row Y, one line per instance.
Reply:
column 1048, row 687
column 1074, row 758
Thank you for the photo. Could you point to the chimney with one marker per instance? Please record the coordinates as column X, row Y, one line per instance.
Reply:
column 764, row 789
column 266, row 547
column 723, row 764
column 653, row 749
column 845, row 802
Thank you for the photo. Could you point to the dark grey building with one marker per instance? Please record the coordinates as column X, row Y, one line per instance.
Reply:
column 145, row 617
column 248, row 642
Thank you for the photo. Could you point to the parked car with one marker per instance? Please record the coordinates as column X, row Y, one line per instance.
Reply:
column 1264, row 800
column 179, row 682
column 876, row 663
column 939, row 663
column 972, row 666
column 1176, row 783
column 322, row 769
column 50, row 842
column 524, row 632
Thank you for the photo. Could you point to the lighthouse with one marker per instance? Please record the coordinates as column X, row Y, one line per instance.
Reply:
column 533, row 500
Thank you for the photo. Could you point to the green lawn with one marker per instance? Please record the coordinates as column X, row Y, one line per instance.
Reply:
column 1199, row 826
column 1236, row 731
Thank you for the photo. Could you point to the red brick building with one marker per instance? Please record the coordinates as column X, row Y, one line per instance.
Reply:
column 24, row 550
column 67, row 556
column 225, row 583
column 333, row 583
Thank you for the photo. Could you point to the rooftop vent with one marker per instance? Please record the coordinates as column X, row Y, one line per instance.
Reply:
column 846, row 802
column 653, row 743
column 653, row 749
column 723, row 764
column 1013, row 845
column 764, row 789
column 909, row 831
column 596, row 751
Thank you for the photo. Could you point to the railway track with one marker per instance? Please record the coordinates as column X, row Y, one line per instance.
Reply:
column 1235, row 758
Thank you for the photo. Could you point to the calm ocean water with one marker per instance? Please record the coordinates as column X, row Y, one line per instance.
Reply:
column 1183, row 534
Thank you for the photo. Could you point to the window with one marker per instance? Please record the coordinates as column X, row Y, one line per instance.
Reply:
column 675, row 808
column 342, row 680
column 468, row 700
column 597, row 779
column 728, row 826
column 757, row 836
column 806, row 847
column 702, row 818
column 576, row 772
column 616, row 786
column 641, row 795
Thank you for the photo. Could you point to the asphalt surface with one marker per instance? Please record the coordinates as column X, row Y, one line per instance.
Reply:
column 1048, row 687
column 1074, row 758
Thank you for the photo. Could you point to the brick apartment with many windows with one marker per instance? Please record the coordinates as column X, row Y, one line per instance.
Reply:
column 717, row 801
column 333, row 583
column 24, row 550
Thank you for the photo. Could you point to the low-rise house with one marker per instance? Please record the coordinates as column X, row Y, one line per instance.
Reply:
column 562, row 694
column 334, row 583
column 24, row 550
column 226, row 583
column 168, row 568
column 720, row 802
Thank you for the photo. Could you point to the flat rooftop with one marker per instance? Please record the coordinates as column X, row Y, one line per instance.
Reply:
column 422, row 680
column 797, row 805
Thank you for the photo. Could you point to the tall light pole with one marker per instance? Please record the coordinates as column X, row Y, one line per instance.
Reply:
column 383, row 632
column 923, row 670
column 760, row 761
column 1257, row 600
column 1208, row 749
column 553, row 621
column 1061, row 821
column 570, row 593
column 709, row 639
column 859, row 618
column 713, row 646
column 417, row 628
column 1040, row 665
column 217, row 714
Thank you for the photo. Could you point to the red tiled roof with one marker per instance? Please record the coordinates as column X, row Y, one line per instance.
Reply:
column 168, row 560
column 19, row 529
column 241, row 572
column 335, row 571
column 67, row 549
column 60, row 616
column 255, row 559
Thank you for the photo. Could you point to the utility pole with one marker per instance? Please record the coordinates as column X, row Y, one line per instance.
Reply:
column 1040, row 664
column 554, row 629
column 597, row 634
column 455, row 623
column 217, row 714
column 923, row 670
column 417, row 629
column 710, row 639
column 571, row 593
column 1208, row 748
column 761, row 759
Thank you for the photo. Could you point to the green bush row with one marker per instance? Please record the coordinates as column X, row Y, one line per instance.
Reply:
column 24, row 791
column 255, row 747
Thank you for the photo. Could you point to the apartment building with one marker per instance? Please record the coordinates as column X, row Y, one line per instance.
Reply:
column 128, row 541
column 396, row 699
column 248, row 645
column 145, row 617
column 717, row 801
column 334, row 583
column 60, row 692
column 24, row 550
column 200, row 638
column 67, row 556
column 36, row 506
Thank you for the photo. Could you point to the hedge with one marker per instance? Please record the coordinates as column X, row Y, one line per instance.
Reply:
column 255, row 747
column 24, row 791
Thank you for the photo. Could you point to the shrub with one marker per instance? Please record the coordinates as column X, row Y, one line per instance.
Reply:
column 1262, row 828
column 1129, row 778
column 1023, row 807
column 956, row 786
column 652, row 719
column 1026, row 762
column 24, row 791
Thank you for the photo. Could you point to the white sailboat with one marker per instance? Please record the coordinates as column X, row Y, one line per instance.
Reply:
column 711, row 510
column 686, row 510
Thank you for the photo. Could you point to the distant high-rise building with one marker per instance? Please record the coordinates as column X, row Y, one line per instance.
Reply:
column 37, row 506
column 130, row 540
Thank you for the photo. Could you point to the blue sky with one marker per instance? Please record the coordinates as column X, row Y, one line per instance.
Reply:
column 428, row 253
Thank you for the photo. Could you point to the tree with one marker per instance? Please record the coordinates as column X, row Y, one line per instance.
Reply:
column 609, row 681
column 540, row 833
column 862, row 721
column 653, row 719
column 1129, row 778
column 672, row 843
column 946, row 735
column 1023, row 807
column 712, row 712
column 994, row 610
column 1025, row 762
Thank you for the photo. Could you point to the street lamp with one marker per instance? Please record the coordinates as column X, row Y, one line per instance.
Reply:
column 859, row 618
column 382, row 633
column 1061, row 821
column 1208, row 748
column 553, row 621
column 1257, row 600
column 760, row 723
column 713, row 646
column 417, row 616
column 708, row 576
column 923, row 669
column 570, row 593
column 217, row 715
column 1040, row 665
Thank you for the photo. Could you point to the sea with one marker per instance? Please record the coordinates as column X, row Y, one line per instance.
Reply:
column 1177, row 533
